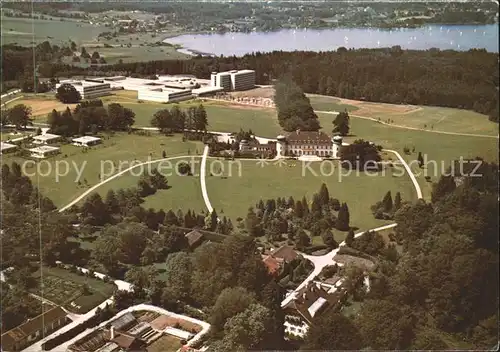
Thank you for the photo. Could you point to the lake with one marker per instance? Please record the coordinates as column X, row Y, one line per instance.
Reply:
column 457, row 37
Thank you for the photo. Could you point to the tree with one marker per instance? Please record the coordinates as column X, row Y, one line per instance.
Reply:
column 68, row 94
column 179, row 270
column 252, row 224
column 19, row 115
column 385, row 325
column 95, row 55
column 230, row 302
column 84, row 53
column 139, row 277
column 303, row 239
column 444, row 186
column 200, row 119
column 163, row 120
column 341, row 123
column 119, row 117
column 324, row 195
column 332, row 331
column 387, row 202
column 361, row 155
column 420, row 159
column 111, row 202
column 249, row 329
column 342, row 223
column 94, row 211
column 349, row 238
column 328, row 239
column 397, row 201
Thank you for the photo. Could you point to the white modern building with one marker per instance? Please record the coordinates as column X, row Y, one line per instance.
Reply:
column 7, row 147
column 233, row 80
column 89, row 88
column 164, row 95
column 86, row 141
column 43, row 151
column 47, row 138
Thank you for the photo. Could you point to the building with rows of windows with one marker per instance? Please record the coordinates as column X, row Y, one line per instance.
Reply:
column 234, row 80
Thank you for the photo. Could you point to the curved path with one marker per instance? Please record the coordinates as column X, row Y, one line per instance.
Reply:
column 93, row 188
column 408, row 170
column 412, row 128
column 202, row 180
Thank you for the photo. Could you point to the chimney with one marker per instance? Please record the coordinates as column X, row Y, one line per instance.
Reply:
column 112, row 332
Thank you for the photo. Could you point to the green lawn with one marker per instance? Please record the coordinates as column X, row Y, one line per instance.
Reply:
column 326, row 103
column 235, row 194
column 97, row 161
column 440, row 148
column 63, row 287
column 185, row 192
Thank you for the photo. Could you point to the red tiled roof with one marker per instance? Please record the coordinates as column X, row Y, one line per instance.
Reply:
column 272, row 264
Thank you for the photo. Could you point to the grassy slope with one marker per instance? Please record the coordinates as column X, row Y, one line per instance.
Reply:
column 119, row 148
column 234, row 195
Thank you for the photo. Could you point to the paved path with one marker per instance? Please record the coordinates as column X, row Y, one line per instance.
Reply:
column 408, row 170
column 320, row 262
column 93, row 188
column 202, row 180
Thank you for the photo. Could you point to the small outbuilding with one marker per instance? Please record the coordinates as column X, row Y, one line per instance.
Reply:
column 86, row 141
column 47, row 138
column 43, row 151
column 7, row 147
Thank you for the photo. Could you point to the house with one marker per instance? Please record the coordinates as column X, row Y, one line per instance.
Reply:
column 31, row 331
column 124, row 322
column 86, row 141
column 47, row 138
column 7, row 148
column 194, row 238
column 128, row 343
column 43, row 151
column 274, row 260
column 308, row 304
column 311, row 143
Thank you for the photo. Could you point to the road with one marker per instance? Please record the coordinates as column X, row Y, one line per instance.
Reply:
column 203, row 184
column 320, row 262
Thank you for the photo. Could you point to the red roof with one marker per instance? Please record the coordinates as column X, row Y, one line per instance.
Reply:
column 272, row 264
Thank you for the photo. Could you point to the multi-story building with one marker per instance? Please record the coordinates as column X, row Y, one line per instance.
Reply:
column 310, row 143
column 233, row 80
column 164, row 95
column 89, row 88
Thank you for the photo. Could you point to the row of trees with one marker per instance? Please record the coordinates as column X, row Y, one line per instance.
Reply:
column 293, row 107
column 386, row 208
column 361, row 155
column 90, row 116
column 176, row 120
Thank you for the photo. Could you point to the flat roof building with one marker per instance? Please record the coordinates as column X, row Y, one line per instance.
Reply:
column 47, row 138
column 89, row 88
column 7, row 147
column 43, row 151
column 233, row 80
column 164, row 95
column 86, row 141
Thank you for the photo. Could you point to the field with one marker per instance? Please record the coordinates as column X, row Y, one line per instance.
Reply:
column 166, row 343
column 420, row 117
column 185, row 192
column 20, row 31
column 440, row 148
column 235, row 194
column 63, row 287
column 120, row 148
column 41, row 106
